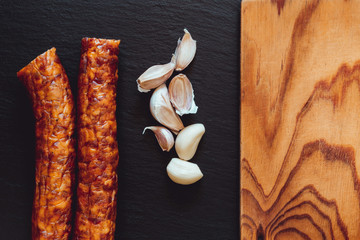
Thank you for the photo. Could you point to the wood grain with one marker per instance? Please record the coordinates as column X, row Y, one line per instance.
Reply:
column 300, row 125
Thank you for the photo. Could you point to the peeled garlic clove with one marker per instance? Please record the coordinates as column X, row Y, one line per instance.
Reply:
column 162, row 111
column 163, row 136
column 185, row 51
column 182, row 95
column 188, row 140
column 183, row 172
column 155, row 76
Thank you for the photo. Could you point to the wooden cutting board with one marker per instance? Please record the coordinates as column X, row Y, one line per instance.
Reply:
column 300, row 119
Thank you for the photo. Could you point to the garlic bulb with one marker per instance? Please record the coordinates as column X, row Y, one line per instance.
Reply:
column 182, row 95
column 183, row 172
column 188, row 140
column 155, row 76
column 162, row 111
column 163, row 136
column 185, row 51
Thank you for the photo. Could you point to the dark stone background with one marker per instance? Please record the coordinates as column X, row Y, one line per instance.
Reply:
column 150, row 206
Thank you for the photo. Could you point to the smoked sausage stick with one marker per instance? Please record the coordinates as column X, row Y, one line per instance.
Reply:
column 97, row 145
column 53, row 107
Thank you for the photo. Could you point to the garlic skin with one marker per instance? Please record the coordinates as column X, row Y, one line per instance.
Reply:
column 162, row 111
column 188, row 140
column 182, row 95
column 155, row 76
column 185, row 51
column 163, row 136
column 183, row 172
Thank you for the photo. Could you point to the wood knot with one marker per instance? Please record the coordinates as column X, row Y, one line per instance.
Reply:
column 260, row 233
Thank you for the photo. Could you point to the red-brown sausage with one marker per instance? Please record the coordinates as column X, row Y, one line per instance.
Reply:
column 97, row 145
column 53, row 106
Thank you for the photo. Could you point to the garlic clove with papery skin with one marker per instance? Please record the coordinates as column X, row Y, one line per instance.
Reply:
column 182, row 95
column 183, row 172
column 163, row 136
column 162, row 111
column 187, row 141
column 185, row 51
column 155, row 76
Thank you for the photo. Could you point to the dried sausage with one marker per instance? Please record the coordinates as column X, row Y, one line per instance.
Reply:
column 53, row 106
column 97, row 145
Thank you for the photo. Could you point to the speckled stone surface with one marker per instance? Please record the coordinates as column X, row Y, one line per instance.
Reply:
column 150, row 206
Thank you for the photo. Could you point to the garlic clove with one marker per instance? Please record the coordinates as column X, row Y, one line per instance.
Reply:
column 185, row 51
column 182, row 95
column 188, row 140
column 163, row 136
column 162, row 111
column 155, row 76
column 183, row 172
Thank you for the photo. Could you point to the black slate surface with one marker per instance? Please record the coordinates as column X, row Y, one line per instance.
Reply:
column 150, row 206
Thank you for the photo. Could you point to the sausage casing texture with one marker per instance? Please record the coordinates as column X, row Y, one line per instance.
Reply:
column 53, row 106
column 97, row 146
